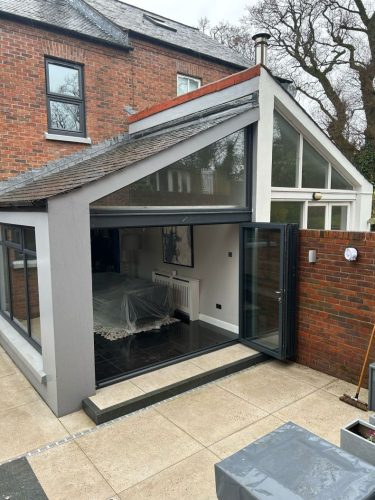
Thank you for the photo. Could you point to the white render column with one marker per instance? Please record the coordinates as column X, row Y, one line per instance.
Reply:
column 262, row 174
column 71, row 291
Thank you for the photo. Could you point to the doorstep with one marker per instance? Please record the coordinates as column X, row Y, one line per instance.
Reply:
column 145, row 390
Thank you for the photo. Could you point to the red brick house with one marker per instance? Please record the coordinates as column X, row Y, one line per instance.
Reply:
column 126, row 58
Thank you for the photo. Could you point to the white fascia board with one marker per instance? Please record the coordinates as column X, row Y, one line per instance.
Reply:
column 304, row 124
column 102, row 187
column 195, row 105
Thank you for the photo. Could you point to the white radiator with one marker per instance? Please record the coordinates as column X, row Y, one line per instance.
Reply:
column 185, row 292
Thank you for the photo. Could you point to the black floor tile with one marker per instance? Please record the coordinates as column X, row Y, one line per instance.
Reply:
column 117, row 357
column 18, row 482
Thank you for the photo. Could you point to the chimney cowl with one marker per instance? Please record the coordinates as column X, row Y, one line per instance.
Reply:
column 261, row 47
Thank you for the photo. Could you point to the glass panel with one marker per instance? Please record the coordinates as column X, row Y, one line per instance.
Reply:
column 33, row 295
column 29, row 237
column 261, row 288
column 339, row 220
column 13, row 235
column 314, row 168
column 182, row 85
column 338, row 181
column 65, row 116
column 18, row 287
column 63, row 80
column 193, row 84
column 285, row 153
column 4, row 282
column 284, row 212
column 213, row 176
column 316, row 217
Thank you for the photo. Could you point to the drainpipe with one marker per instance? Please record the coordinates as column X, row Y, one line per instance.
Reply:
column 261, row 47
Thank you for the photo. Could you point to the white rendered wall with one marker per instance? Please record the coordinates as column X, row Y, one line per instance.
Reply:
column 217, row 272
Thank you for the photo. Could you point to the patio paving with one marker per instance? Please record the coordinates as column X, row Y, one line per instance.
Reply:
column 166, row 451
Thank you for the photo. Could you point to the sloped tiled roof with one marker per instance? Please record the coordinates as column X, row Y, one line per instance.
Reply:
column 133, row 19
column 73, row 16
column 56, row 13
column 127, row 152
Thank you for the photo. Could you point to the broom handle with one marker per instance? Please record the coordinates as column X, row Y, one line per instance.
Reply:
column 365, row 362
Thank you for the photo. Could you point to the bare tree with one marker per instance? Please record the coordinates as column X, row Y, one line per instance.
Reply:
column 327, row 48
column 236, row 37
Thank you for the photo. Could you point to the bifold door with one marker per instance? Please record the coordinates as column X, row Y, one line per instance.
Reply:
column 268, row 262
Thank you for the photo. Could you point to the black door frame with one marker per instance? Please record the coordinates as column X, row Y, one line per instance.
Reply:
column 287, row 282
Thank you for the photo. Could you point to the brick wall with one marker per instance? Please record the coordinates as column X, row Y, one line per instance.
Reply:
column 113, row 79
column 336, row 307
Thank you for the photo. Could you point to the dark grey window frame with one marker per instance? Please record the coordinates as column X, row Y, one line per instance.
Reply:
column 102, row 218
column 20, row 248
column 53, row 96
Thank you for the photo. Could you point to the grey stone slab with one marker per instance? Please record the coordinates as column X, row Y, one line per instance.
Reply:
column 291, row 463
column 352, row 441
column 18, row 482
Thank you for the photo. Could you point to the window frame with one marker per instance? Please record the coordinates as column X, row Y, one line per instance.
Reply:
column 248, row 135
column 53, row 96
column 193, row 78
column 330, row 165
column 20, row 248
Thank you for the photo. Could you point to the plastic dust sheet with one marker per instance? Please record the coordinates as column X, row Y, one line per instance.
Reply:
column 291, row 463
column 124, row 306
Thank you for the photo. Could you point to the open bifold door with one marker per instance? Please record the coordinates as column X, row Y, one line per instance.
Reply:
column 268, row 268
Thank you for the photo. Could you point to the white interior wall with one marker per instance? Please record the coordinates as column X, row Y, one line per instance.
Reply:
column 217, row 272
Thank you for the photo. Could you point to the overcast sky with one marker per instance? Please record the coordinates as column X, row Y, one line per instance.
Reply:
column 190, row 11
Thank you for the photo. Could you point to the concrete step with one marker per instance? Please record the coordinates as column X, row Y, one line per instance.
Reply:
column 145, row 390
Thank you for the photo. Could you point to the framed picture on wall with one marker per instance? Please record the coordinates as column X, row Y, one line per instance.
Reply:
column 178, row 245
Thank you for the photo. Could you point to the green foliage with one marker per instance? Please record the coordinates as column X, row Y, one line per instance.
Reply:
column 364, row 160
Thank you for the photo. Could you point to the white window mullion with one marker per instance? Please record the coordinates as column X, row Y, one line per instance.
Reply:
column 300, row 157
column 329, row 176
column 304, row 214
column 328, row 216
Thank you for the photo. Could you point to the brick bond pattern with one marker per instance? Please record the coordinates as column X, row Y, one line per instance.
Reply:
column 336, row 307
column 113, row 79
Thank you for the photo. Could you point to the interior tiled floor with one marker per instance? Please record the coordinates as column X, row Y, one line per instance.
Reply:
column 118, row 357
column 167, row 451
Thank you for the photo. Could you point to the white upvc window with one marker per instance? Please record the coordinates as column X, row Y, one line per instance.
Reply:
column 312, row 215
column 306, row 187
column 186, row 84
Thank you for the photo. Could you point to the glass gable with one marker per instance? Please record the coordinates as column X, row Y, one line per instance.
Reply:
column 314, row 168
column 285, row 152
column 338, row 181
column 212, row 176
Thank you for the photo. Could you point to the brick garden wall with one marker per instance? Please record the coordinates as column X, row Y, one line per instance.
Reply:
column 113, row 79
column 336, row 307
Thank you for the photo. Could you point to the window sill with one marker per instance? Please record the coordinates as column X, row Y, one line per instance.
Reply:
column 21, row 351
column 67, row 138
